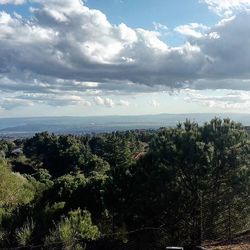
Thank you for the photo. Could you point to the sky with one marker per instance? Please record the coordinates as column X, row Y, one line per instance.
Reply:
column 124, row 57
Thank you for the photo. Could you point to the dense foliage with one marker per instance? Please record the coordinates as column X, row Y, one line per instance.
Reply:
column 126, row 190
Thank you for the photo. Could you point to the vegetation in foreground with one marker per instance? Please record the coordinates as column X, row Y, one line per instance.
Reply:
column 126, row 190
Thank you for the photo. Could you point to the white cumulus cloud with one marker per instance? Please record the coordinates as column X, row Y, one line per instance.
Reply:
column 225, row 100
column 228, row 7
column 123, row 103
column 68, row 53
column 104, row 101
column 17, row 2
column 194, row 30
column 154, row 104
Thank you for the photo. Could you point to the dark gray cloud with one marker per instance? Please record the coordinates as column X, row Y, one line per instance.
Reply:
column 229, row 53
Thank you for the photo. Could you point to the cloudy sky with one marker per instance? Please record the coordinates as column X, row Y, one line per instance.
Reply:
column 110, row 57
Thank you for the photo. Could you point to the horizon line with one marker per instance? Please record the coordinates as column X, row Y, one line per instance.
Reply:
column 132, row 115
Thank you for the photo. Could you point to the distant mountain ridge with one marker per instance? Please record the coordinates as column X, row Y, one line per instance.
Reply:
column 96, row 124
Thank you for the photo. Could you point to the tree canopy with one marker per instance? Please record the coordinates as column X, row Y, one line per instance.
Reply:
column 135, row 189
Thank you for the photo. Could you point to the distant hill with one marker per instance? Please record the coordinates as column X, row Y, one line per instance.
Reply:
column 96, row 124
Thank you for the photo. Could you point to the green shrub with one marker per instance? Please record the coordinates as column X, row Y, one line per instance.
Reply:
column 23, row 234
column 74, row 231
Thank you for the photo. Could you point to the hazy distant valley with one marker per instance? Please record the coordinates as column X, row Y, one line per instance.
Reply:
column 22, row 127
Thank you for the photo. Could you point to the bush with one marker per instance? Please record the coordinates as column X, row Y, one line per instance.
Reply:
column 74, row 231
column 23, row 235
